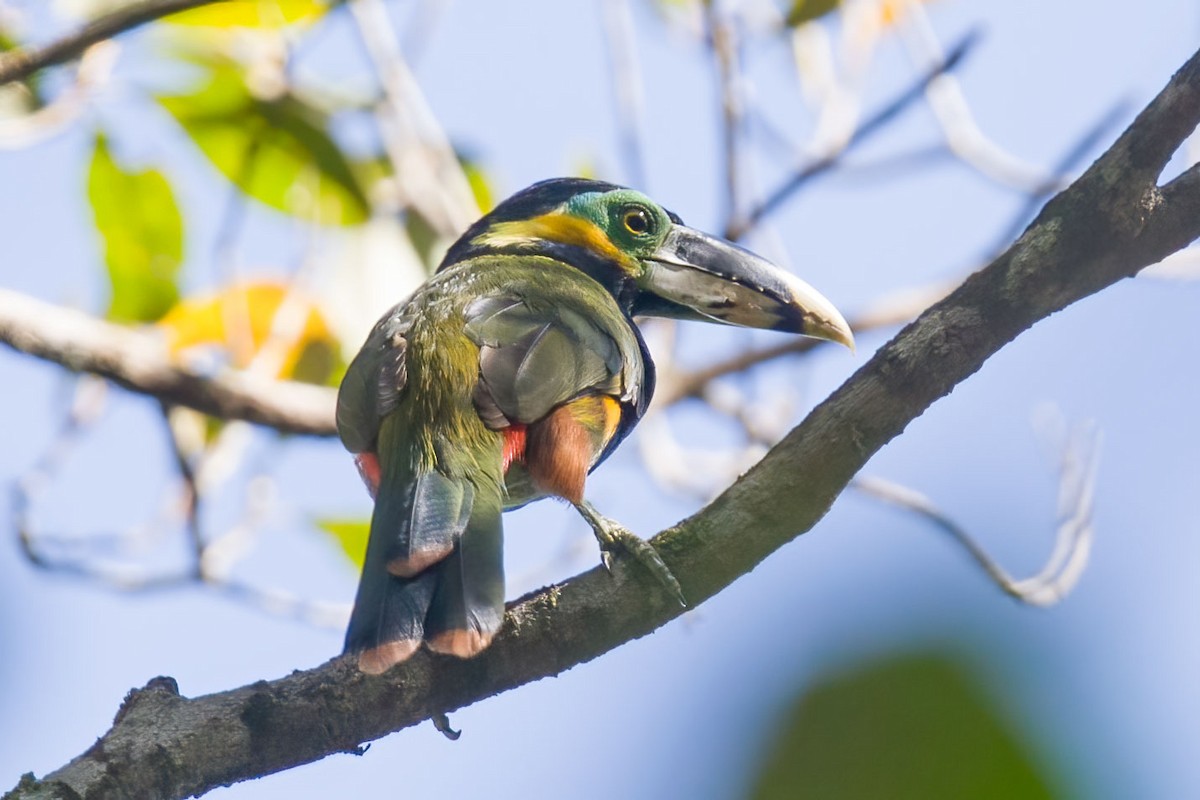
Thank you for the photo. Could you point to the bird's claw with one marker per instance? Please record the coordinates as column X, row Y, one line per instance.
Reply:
column 442, row 723
column 615, row 537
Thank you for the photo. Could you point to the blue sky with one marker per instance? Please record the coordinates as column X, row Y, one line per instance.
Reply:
column 1104, row 683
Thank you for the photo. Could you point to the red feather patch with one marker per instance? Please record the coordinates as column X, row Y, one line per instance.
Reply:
column 368, row 469
column 514, row 445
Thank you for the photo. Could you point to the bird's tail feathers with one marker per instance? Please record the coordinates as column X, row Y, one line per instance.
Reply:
column 468, row 603
column 433, row 570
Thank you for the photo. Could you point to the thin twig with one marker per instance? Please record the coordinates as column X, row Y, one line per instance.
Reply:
column 24, row 130
column 1073, row 539
column 869, row 126
column 626, row 77
column 722, row 38
column 423, row 160
column 191, row 494
column 18, row 64
column 86, row 406
column 963, row 135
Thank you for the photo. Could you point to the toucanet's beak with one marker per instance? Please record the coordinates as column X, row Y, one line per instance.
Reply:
column 697, row 276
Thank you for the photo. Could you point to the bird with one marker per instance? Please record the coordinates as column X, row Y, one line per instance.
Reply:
column 507, row 377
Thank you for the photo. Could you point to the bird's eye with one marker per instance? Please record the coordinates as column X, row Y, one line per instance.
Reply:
column 637, row 221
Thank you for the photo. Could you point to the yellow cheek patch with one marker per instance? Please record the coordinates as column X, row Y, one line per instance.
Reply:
column 557, row 227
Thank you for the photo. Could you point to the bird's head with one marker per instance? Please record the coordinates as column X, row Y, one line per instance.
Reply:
column 649, row 260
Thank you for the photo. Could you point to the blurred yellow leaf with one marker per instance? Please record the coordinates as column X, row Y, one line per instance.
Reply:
column 251, row 14
column 892, row 11
column 351, row 535
column 262, row 323
column 801, row 12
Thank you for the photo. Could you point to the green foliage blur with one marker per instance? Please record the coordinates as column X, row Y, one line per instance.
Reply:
column 914, row 727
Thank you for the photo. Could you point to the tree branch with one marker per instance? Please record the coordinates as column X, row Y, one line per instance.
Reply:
column 139, row 361
column 19, row 64
column 1106, row 226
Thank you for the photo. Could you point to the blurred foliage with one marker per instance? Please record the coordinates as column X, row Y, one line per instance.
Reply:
column 424, row 239
column 142, row 231
column 251, row 14
column 802, row 11
column 908, row 728
column 242, row 320
column 351, row 535
column 20, row 97
column 481, row 188
column 275, row 147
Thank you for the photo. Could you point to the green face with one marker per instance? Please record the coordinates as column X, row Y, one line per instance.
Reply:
column 634, row 223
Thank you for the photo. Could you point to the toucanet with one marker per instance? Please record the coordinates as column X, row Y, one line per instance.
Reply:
column 507, row 377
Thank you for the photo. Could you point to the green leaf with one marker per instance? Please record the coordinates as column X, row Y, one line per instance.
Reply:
column 251, row 14
column 142, row 231
column 276, row 150
column 351, row 534
column 909, row 728
column 803, row 11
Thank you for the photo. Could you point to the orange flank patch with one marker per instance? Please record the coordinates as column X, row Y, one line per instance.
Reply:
column 514, row 445
column 562, row 446
column 368, row 469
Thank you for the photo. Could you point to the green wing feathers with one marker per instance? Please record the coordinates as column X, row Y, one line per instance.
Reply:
column 533, row 359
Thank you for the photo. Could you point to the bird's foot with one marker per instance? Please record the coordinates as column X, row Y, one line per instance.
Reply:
column 442, row 723
column 614, row 537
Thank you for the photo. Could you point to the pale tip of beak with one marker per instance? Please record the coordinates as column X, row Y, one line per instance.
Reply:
column 821, row 319
column 834, row 330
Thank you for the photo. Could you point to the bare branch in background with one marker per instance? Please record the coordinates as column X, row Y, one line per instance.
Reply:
column 953, row 113
column 628, row 94
column 870, row 125
column 723, row 40
column 209, row 563
column 138, row 360
column 95, row 67
column 191, row 495
column 18, row 64
column 1072, row 541
column 76, row 555
column 426, row 167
